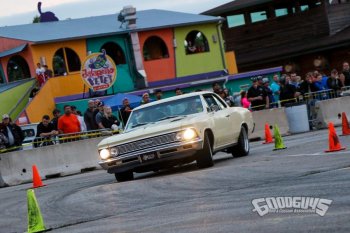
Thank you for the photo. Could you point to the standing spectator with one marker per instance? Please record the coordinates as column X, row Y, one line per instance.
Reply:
column 68, row 123
column 80, row 118
column 109, row 121
column 257, row 96
column 294, row 80
column 307, row 86
column 275, row 87
column 48, row 72
column 216, row 87
column 346, row 72
column 45, row 130
column 56, row 115
column 287, row 92
column 178, row 91
column 269, row 93
column 125, row 111
column 230, row 97
column 40, row 74
column 318, row 82
column 89, row 117
column 145, row 98
column 244, row 100
column 13, row 133
column 333, row 83
column 159, row 94
column 3, row 142
column 33, row 93
column 99, row 114
column 223, row 95
column 342, row 79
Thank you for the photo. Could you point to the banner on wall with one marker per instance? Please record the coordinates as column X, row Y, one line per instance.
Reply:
column 98, row 71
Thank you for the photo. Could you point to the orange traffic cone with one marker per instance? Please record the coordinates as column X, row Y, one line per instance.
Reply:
column 268, row 136
column 36, row 178
column 345, row 124
column 334, row 143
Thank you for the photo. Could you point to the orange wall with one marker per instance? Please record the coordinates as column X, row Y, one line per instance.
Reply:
column 7, row 44
column 44, row 102
column 160, row 69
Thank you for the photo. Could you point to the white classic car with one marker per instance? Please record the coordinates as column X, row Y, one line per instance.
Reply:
column 174, row 131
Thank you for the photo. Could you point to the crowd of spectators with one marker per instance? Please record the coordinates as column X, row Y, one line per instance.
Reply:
column 290, row 88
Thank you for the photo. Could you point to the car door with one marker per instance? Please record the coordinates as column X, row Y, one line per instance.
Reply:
column 234, row 121
column 221, row 127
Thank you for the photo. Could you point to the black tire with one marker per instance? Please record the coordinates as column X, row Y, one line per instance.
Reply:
column 242, row 147
column 124, row 176
column 204, row 157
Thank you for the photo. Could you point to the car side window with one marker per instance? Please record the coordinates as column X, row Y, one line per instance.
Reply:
column 210, row 100
column 220, row 102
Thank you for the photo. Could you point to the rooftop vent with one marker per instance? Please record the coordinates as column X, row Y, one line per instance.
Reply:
column 128, row 17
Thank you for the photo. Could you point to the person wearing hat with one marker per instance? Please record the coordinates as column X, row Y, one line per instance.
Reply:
column 145, row 98
column 12, row 132
column 99, row 114
column 266, row 83
column 257, row 95
column 288, row 92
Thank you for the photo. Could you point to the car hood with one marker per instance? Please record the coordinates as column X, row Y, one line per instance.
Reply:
column 150, row 130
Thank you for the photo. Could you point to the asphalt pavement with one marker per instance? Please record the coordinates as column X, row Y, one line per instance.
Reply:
column 187, row 199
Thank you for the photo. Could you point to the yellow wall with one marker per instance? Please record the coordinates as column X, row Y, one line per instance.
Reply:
column 231, row 62
column 72, row 84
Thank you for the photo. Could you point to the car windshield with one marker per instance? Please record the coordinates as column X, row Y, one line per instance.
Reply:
column 163, row 111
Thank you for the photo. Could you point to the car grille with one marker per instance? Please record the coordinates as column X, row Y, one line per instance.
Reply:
column 147, row 143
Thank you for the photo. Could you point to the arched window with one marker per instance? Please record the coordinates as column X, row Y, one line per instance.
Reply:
column 196, row 42
column 17, row 69
column 2, row 78
column 63, row 58
column 155, row 48
column 115, row 52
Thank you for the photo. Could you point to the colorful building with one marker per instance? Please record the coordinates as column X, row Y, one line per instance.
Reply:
column 160, row 48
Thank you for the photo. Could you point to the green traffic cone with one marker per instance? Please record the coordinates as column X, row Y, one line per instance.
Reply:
column 278, row 139
column 35, row 220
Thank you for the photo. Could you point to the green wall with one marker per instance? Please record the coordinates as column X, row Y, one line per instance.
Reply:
column 200, row 62
column 11, row 97
column 124, row 80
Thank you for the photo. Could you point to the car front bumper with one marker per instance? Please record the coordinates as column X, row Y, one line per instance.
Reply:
column 163, row 154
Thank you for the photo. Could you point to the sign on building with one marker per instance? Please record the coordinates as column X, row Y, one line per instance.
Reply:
column 98, row 71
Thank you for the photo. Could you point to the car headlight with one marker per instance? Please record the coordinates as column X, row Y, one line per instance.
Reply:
column 187, row 135
column 105, row 154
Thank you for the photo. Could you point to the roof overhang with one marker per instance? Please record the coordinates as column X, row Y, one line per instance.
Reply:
column 14, row 50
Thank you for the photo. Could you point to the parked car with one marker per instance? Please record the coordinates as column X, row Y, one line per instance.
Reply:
column 29, row 132
column 176, row 130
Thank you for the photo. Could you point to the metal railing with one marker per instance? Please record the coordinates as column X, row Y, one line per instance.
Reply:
column 61, row 138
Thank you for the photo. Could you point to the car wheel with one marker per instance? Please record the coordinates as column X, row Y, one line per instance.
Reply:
column 124, row 176
column 204, row 157
column 242, row 147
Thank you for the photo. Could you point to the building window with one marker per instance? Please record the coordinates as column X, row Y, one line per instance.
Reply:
column 281, row 12
column 115, row 52
column 235, row 20
column 17, row 69
column 196, row 42
column 65, row 57
column 2, row 78
column 258, row 16
column 154, row 48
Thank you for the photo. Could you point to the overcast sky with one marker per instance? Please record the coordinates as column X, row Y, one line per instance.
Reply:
column 14, row 12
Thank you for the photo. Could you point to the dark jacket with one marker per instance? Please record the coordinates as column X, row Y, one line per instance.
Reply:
column 124, row 114
column 306, row 87
column 89, row 119
column 108, row 122
column 16, row 132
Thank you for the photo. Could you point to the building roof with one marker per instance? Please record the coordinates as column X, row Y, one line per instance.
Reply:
column 100, row 26
column 13, row 50
column 233, row 6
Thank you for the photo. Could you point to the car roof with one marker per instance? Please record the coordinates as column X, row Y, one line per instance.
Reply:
column 177, row 97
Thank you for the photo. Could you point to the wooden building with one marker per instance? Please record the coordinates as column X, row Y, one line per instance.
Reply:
column 300, row 35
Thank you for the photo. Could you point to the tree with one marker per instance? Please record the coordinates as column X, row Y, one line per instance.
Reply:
column 36, row 19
